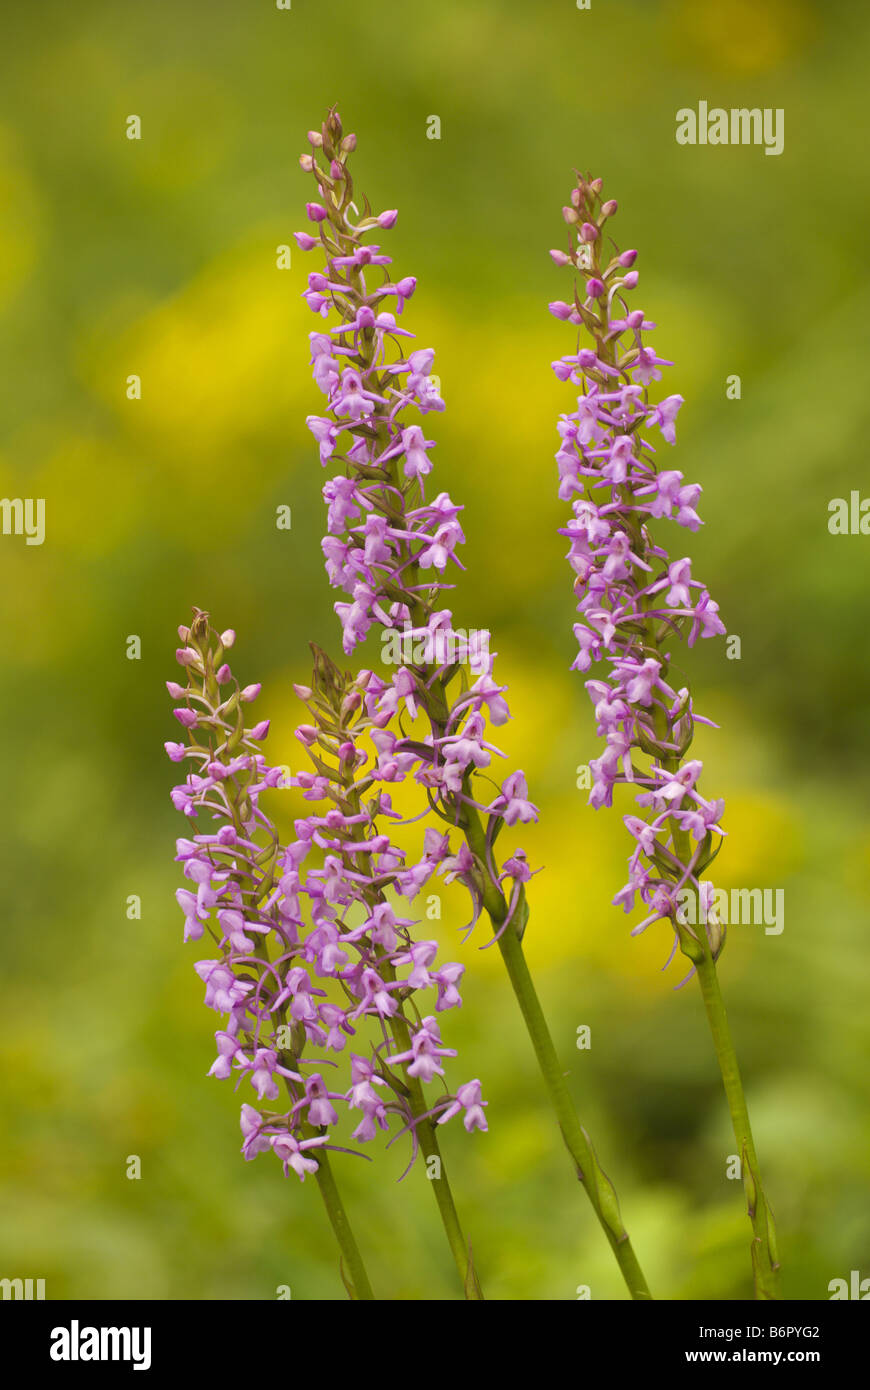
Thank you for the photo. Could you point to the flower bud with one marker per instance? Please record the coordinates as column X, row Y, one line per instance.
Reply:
column 560, row 258
column 199, row 629
column 228, row 638
column 588, row 232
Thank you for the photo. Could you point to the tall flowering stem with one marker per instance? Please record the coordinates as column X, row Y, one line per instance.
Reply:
column 634, row 604
column 233, row 869
column 389, row 547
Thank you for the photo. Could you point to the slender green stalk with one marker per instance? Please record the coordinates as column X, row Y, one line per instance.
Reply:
column 598, row 1187
column 428, row 1140
column 765, row 1259
column 765, row 1262
column 353, row 1270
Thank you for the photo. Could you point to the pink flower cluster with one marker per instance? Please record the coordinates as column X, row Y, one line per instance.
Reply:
column 311, row 955
column 633, row 599
column 387, row 545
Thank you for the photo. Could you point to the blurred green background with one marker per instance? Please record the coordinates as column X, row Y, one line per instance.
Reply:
column 158, row 258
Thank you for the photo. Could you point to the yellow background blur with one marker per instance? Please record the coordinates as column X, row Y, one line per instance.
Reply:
column 158, row 258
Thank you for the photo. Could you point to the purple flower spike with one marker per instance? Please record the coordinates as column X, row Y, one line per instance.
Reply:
column 635, row 603
column 391, row 546
column 295, row 924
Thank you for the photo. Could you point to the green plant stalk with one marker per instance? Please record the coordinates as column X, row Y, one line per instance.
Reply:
column 697, row 949
column 765, row 1261
column 598, row 1187
column 428, row 1140
column 765, row 1258
column 356, row 1279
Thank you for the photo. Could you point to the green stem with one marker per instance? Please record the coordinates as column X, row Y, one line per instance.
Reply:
column 765, row 1263
column 428, row 1140
column 598, row 1187
column 353, row 1270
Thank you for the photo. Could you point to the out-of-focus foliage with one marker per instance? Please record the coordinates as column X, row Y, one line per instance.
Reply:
column 158, row 258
